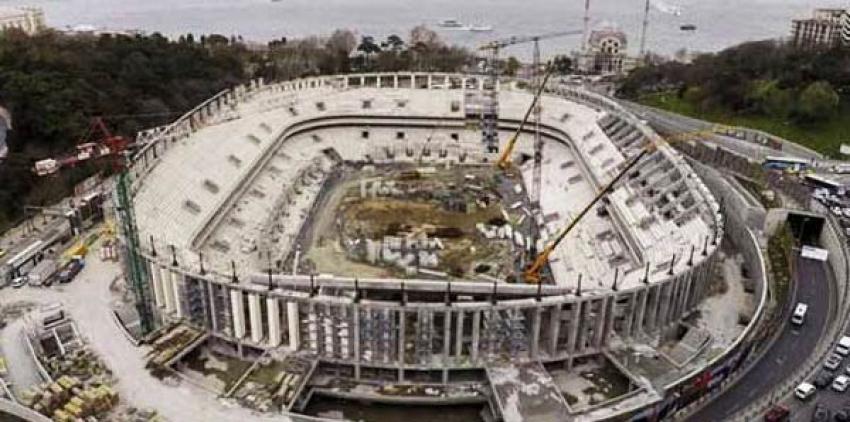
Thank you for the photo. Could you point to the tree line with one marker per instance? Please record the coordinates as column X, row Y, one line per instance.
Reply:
column 53, row 84
column 766, row 78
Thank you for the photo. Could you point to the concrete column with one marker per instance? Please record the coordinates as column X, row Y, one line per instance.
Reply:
column 292, row 321
column 167, row 291
column 273, row 310
column 535, row 332
column 430, row 81
column 640, row 310
column 601, row 319
column 344, row 333
column 313, row 328
column 554, row 329
column 459, row 334
column 330, row 332
column 574, row 327
column 476, row 331
column 237, row 307
column 378, row 81
column 355, row 319
column 447, row 337
column 213, row 310
column 255, row 316
column 395, row 81
column 630, row 316
column 402, row 321
column 664, row 304
column 175, row 287
column 156, row 281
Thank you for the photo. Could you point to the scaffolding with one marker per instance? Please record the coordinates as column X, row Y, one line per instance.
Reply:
column 136, row 273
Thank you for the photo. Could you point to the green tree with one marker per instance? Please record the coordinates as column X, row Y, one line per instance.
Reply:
column 772, row 100
column 818, row 101
column 563, row 65
column 511, row 66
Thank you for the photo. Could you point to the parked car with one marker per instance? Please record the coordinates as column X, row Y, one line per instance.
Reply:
column 840, row 383
column 777, row 413
column 833, row 361
column 20, row 282
column 804, row 391
column 70, row 270
column 821, row 414
column 823, row 379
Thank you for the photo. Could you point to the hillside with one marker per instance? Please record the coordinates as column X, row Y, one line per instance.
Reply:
column 801, row 95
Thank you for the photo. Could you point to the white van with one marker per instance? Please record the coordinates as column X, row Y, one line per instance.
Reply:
column 843, row 346
column 799, row 315
column 804, row 391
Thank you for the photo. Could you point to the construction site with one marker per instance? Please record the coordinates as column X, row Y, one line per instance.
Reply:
column 408, row 221
column 506, row 248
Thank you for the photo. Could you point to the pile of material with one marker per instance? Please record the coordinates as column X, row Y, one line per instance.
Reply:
column 68, row 400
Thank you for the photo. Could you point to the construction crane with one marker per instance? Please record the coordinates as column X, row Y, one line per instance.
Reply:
column 88, row 149
column 490, row 113
column 100, row 144
column 532, row 274
column 505, row 160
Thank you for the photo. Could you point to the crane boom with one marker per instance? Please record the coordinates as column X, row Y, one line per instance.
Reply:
column 505, row 160
column 532, row 274
column 499, row 44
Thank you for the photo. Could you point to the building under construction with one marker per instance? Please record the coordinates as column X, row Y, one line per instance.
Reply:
column 359, row 220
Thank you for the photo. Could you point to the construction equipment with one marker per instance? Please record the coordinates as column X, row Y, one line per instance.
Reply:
column 532, row 274
column 505, row 160
column 114, row 149
column 87, row 149
column 490, row 113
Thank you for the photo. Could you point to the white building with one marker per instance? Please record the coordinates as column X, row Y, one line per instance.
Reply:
column 606, row 53
column 826, row 27
column 27, row 19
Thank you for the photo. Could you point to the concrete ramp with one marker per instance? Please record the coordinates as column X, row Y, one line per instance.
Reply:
column 527, row 393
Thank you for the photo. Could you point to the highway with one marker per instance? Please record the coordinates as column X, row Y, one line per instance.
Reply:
column 788, row 353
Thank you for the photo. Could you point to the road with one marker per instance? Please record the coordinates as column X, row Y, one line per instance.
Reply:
column 788, row 353
column 23, row 372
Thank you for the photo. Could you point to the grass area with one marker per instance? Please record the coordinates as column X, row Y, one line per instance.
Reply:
column 825, row 137
column 779, row 252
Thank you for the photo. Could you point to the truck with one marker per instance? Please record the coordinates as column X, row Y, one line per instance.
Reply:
column 42, row 272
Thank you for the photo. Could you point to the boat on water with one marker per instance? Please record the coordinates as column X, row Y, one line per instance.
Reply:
column 450, row 23
column 480, row 28
column 688, row 27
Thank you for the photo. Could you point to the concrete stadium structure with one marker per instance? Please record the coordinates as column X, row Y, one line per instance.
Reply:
column 222, row 194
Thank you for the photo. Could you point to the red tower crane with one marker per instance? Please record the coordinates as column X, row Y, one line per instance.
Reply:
column 98, row 143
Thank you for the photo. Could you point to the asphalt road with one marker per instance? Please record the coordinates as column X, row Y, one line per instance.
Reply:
column 788, row 353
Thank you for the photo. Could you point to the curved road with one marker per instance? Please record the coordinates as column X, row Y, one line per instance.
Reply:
column 790, row 351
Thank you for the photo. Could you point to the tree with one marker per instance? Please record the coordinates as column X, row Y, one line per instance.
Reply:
column 367, row 46
column 512, row 65
column 394, row 43
column 342, row 41
column 563, row 64
column 772, row 100
column 818, row 101
column 424, row 37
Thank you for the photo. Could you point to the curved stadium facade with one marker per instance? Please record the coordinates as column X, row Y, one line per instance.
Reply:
column 251, row 215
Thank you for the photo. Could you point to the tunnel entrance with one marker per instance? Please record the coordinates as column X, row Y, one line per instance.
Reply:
column 806, row 227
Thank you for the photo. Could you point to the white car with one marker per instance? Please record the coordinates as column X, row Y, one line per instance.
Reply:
column 840, row 383
column 804, row 391
column 837, row 211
